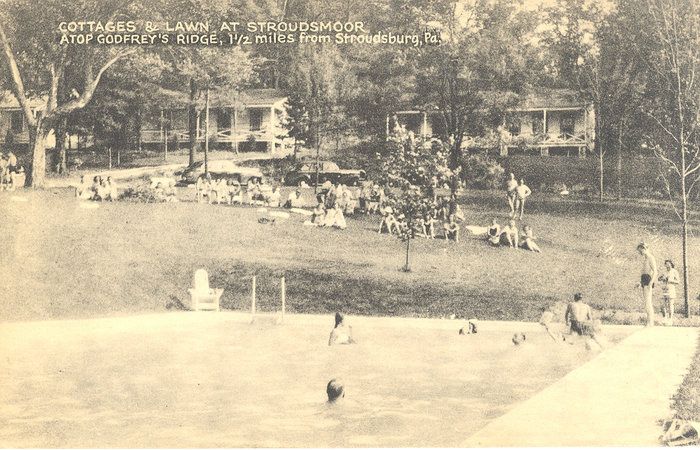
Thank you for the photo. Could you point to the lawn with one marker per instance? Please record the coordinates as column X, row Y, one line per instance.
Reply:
column 63, row 260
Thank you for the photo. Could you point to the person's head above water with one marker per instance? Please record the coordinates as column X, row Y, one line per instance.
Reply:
column 335, row 390
column 578, row 297
column 339, row 319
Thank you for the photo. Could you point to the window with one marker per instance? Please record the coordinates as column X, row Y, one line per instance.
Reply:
column 538, row 124
column 256, row 117
column 514, row 126
column 568, row 125
column 16, row 121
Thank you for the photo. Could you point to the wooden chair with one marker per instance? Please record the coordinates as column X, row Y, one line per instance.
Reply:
column 203, row 298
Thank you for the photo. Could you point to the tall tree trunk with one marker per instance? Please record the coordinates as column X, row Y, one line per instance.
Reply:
column 37, row 143
column 619, row 161
column 686, row 270
column 61, row 146
column 407, row 266
column 601, row 160
column 193, row 120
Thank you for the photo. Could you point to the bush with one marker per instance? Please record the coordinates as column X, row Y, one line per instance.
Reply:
column 481, row 172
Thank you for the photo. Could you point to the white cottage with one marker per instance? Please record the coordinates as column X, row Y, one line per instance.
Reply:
column 252, row 120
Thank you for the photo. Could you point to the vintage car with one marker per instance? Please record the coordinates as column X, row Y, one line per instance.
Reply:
column 305, row 173
column 221, row 169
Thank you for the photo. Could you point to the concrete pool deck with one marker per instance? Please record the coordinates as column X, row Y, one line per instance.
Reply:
column 616, row 400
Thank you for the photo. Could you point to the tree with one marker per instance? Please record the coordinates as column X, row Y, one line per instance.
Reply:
column 670, row 43
column 37, row 65
column 594, row 56
column 471, row 77
column 412, row 168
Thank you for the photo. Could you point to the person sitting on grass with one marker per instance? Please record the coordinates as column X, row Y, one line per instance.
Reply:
column 528, row 240
column 509, row 235
column 668, row 287
column 294, row 200
column 493, row 233
column 319, row 213
column 451, row 228
column 388, row 220
column 235, row 193
column 274, row 198
column 83, row 190
column 202, row 188
column 335, row 391
column 579, row 317
column 101, row 191
column 339, row 218
column 341, row 333
column 112, row 190
column 17, row 178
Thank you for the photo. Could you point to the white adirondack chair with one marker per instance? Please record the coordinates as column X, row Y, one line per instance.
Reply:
column 203, row 298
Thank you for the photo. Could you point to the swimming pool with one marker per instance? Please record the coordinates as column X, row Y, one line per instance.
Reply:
column 213, row 380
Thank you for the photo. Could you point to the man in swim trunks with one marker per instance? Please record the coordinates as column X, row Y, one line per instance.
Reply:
column 649, row 273
column 511, row 185
column 579, row 317
column 522, row 192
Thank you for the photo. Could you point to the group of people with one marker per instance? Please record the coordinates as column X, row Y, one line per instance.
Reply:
column 427, row 223
column 100, row 189
column 324, row 216
column 578, row 321
column 230, row 191
column 517, row 193
column 509, row 236
column 12, row 175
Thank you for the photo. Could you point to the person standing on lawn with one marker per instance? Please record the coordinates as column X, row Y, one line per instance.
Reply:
column 670, row 281
column 522, row 192
column 511, row 185
column 648, row 275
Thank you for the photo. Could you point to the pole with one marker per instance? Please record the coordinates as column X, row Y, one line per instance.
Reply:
column 318, row 152
column 283, row 295
column 206, row 136
column 252, row 299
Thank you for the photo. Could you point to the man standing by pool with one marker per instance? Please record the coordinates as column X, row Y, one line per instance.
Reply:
column 649, row 273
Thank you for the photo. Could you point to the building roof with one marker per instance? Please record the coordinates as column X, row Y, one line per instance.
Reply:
column 261, row 97
column 546, row 98
column 8, row 101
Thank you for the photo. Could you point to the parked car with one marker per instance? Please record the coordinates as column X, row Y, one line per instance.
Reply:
column 221, row 169
column 305, row 173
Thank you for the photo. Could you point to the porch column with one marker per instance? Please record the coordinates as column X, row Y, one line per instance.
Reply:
column 271, row 131
column 424, row 133
column 233, row 129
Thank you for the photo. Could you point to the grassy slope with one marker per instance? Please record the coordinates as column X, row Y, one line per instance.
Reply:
column 66, row 261
column 686, row 402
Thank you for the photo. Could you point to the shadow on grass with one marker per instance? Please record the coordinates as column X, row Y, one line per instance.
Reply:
column 320, row 292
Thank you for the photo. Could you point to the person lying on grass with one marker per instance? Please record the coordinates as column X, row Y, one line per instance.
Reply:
column 451, row 228
column 579, row 317
column 528, row 240
column 509, row 235
column 341, row 333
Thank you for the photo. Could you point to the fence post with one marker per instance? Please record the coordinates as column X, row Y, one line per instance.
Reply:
column 283, row 295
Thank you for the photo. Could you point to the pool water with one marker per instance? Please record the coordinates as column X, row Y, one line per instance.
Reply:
column 212, row 380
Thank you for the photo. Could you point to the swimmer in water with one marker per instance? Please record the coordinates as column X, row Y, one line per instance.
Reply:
column 335, row 390
column 341, row 334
